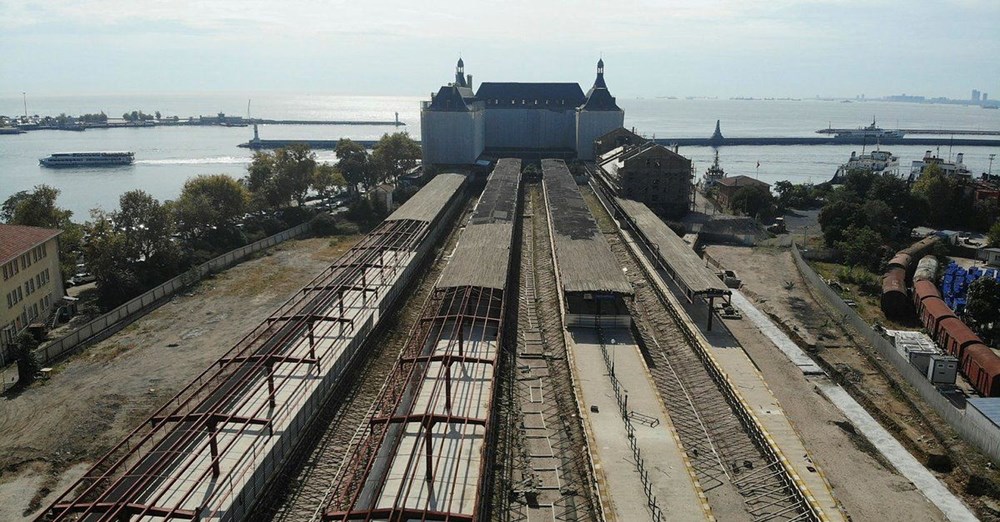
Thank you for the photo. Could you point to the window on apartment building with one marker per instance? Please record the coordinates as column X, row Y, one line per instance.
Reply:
column 6, row 276
column 9, row 302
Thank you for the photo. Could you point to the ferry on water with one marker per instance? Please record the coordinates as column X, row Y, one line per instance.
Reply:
column 87, row 159
column 871, row 131
column 878, row 161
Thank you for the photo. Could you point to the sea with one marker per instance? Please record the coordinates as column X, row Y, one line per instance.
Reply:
column 167, row 156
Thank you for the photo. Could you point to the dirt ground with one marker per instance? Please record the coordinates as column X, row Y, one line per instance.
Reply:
column 770, row 278
column 52, row 432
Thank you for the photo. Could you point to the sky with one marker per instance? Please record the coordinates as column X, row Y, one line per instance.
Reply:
column 715, row 48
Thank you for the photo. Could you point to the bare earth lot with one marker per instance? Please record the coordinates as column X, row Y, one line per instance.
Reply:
column 771, row 279
column 53, row 431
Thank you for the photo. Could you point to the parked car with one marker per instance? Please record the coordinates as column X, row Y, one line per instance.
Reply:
column 81, row 278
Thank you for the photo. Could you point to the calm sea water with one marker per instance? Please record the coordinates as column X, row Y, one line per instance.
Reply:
column 165, row 157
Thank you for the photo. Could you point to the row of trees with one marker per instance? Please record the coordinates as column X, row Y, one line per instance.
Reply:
column 137, row 116
column 144, row 242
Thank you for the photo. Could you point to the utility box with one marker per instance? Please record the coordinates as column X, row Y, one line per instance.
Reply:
column 921, row 359
column 943, row 369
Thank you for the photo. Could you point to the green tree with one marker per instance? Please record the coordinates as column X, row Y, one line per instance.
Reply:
column 327, row 178
column 394, row 154
column 145, row 222
column 24, row 354
column 260, row 181
column 753, row 201
column 862, row 247
column 983, row 307
column 797, row 196
column 110, row 259
column 941, row 194
column 993, row 236
column 877, row 216
column 859, row 182
column 836, row 217
column 293, row 171
column 209, row 202
column 353, row 162
column 36, row 208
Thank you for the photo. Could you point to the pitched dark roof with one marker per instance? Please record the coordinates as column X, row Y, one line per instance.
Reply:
column 742, row 181
column 599, row 99
column 449, row 98
column 18, row 239
column 565, row 94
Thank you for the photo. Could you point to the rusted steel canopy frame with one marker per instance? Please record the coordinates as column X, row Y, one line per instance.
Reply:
column 403, row 371
column 400, row 235
column 477, row 298
column 399, row 515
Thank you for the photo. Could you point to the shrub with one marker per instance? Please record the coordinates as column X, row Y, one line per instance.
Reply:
column 867, row 282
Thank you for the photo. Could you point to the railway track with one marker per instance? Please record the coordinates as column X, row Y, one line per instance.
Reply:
column 540, row 413
column 305, row 486
column 739, row 479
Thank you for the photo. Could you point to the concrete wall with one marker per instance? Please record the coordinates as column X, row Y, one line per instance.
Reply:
column 985, row 436
column 114, row 320
column 591, row 125
column 531, row 128
column 452, row 138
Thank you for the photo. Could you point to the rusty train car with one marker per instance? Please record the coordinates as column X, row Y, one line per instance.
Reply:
column 895, row 301
column 978, row 362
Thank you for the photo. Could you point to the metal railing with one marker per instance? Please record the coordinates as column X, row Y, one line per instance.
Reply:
column 621, row 397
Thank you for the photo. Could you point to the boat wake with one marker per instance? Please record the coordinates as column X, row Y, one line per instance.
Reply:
column 221, row 160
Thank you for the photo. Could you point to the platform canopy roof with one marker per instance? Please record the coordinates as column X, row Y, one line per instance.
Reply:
column 428, row 201
column 584, row 258
column 688, row 269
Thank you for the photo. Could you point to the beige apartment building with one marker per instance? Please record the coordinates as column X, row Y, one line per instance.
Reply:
column 31, row 284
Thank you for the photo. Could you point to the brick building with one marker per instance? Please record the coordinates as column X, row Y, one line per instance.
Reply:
column 652, row 174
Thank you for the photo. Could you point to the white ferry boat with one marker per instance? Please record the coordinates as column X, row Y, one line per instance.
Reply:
column 878, row 161
column 948, row 168
column 872, row 131
column 87, row 159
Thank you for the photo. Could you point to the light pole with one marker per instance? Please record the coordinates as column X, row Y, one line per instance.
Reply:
column 24, row 98
column 990, row 173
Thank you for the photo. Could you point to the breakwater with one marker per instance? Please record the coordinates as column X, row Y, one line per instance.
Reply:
column 777, row 141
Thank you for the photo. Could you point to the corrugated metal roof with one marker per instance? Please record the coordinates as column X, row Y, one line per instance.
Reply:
column 481, row 257
column 988, row 406
column 18, row 239
column 499, row 199
column 688, row 268
column 429, row 200
column 583, row 257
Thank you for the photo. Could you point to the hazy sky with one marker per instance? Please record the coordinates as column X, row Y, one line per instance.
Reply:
column 409, row 47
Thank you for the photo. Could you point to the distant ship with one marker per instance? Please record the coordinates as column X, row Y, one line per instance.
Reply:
column 713, row 174
column 878, row 161
column 871, row 131
column 87, row 159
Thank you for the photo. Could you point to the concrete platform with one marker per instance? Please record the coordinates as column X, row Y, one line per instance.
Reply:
column 677, row 490
column 754, row 392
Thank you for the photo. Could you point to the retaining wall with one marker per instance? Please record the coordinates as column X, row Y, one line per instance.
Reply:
column 109, row 323
column 986, row 438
